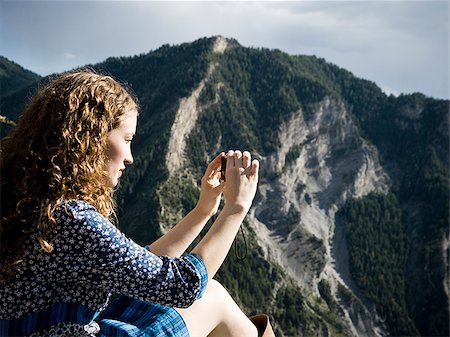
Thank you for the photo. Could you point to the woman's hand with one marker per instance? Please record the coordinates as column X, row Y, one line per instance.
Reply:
column 211, row 188
column 179, row 237
column 241, row 176
column 241, row 180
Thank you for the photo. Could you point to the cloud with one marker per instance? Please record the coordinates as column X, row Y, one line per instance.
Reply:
column 388, row 90
column 69, row 56
column 402, row 44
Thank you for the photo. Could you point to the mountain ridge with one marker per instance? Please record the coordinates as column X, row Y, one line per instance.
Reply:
column 14, row 77
column 305, row 119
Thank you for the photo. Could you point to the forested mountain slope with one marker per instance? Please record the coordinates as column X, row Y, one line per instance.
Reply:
column 13, row 77
column 349, row 231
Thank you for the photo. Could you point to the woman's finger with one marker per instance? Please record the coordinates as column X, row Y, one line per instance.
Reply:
column 216, row 174
column 220, row 186
column 230, row 159
column 246, row 159
column 238, row 159
column 215, row 164
column 255, row 169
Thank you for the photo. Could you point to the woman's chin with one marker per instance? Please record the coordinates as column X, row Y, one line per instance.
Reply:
column 112, row 182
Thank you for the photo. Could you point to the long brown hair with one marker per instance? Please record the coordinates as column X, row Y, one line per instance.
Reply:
column 56, row 153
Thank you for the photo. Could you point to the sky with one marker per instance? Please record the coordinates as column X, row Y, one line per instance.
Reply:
column 402, row 46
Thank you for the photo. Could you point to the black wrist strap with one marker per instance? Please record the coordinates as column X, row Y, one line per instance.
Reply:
column 236, row 249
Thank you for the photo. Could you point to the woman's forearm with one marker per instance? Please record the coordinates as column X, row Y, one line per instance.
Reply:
column 175, row 242
column 214, row 247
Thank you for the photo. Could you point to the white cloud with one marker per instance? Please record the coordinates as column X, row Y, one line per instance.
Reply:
column 402, row 44
column 388, row 90
column 69, row 56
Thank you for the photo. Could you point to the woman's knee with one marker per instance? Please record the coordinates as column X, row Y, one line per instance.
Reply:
column 215, row 288
column 218, row 313
column 232, row 322
column 206, row 313
column 214, row 302
column 221, row 295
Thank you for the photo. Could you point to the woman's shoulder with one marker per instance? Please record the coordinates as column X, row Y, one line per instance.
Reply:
column 77, row 212
column 82, row 227
column 77, row 206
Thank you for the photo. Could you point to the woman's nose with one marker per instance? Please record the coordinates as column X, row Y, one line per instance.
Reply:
column 128, row 160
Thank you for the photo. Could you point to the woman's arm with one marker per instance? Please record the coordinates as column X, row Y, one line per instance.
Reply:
column 175, row 242
column 91, row 250
column 241, row 182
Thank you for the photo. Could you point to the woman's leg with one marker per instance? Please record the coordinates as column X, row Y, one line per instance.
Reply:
column 217, row 314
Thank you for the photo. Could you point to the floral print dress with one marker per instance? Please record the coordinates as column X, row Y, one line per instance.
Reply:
column 66, row 292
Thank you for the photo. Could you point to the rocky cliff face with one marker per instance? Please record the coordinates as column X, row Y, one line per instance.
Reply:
column 322, row 161
column 187, row 114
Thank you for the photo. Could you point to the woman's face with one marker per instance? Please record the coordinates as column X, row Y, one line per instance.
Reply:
column 118, row 150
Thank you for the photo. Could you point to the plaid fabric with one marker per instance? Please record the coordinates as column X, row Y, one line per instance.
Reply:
column 130, row 317
column 45, row 319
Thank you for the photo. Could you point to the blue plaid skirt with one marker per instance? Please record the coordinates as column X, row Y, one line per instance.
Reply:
column 130, row 317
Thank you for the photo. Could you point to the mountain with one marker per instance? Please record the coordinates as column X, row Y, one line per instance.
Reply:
column 349, row 231
column 13, row 77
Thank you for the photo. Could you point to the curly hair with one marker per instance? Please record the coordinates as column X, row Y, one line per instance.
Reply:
column 56, row 153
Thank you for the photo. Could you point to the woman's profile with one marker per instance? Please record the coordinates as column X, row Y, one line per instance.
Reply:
column 61, row 255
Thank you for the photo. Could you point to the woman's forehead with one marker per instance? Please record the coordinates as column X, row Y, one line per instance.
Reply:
column 128, row 121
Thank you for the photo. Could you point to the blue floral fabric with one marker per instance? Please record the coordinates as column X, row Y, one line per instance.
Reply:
column 63, row 292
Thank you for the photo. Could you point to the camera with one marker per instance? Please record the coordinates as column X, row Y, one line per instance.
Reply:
column 222, row 168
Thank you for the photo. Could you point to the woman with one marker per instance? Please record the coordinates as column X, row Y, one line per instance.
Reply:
column 61, row 257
